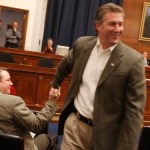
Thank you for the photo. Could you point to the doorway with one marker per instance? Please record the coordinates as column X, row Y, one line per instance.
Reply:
column 8, row 15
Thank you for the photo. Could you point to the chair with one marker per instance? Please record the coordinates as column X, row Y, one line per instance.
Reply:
column 6, row 57
column 11, row 142
column 46, row 62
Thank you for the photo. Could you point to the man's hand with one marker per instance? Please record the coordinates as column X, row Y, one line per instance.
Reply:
column 15, row 29
column 54, row 94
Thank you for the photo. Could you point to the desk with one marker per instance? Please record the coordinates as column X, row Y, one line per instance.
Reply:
column 147, row 107
column 32, row 83
column 30, row 58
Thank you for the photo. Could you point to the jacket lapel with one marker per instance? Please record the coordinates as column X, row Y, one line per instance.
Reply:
column 111, row 65
column 85, row 56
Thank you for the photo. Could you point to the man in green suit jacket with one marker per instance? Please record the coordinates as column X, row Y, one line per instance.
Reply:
column 104, row 107
column 17, row 119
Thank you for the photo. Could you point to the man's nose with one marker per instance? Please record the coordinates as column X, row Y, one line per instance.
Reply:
column 118, row 29
column 11, row 83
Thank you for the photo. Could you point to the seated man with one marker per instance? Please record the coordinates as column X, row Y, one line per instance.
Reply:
column 17, row 119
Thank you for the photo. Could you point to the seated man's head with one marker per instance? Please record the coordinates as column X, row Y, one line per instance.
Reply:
column 145, row 54
column 5, row 81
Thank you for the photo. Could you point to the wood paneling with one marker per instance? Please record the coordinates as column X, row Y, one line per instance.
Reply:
column 133, row 14
column 147, row 107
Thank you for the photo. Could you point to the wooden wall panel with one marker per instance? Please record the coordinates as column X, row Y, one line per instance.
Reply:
column 133, row 14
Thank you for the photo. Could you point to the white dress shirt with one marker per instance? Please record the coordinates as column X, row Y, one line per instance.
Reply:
column 84, row 100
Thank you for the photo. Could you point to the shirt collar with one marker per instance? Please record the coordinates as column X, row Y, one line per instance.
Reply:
column 111, row 48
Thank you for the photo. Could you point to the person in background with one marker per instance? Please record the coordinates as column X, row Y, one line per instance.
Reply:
column 146, row 60
column 49, row 47
column 13, row 36
column 17, row 119
column 104, row 107
column 2, row 34
column 0, row 25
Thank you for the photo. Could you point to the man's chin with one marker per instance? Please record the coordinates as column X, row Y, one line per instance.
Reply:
column 8, row 92
column 115, row 41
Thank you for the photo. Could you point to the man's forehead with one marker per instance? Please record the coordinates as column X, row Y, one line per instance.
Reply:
column 114, row 15
column 4, row 73
column 15, row 23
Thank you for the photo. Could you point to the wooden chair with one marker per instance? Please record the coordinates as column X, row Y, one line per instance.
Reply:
column 144, row 142
column 11, row 142
column 6, row 57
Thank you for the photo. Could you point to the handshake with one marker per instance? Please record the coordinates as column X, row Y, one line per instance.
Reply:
column 54, row 94
column 15, row 29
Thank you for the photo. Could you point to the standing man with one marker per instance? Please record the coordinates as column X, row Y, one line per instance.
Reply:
column 13, row 36
column 0, row 25
column 17, row 119
column 104, row 107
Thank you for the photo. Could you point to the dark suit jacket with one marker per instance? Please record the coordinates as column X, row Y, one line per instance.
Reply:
column 119, row 97
column 17, row 119
column 148, row 62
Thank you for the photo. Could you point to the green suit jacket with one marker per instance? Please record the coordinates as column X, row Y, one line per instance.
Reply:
column 17, row 119
column 120, row 95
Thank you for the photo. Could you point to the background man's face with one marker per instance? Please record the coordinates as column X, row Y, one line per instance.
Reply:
column 15, row 25
column 0, row 24
column 145, row 54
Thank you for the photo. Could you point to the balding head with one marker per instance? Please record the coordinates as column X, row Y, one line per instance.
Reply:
column 5, row 81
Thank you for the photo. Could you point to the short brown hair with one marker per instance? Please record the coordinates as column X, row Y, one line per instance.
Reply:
column 109, row 7
column 50, row 39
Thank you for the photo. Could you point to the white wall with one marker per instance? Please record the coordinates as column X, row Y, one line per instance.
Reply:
column 36, row 20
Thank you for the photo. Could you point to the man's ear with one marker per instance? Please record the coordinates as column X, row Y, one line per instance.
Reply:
column 97, row 26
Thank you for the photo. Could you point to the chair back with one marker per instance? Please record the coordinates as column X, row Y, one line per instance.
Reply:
column 144, row 142
column 6, row 57
column 46, row 62
column 11, row 142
